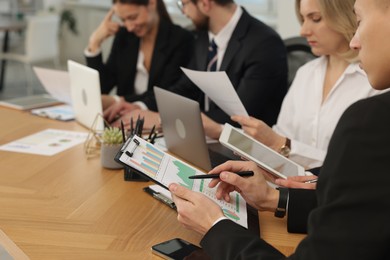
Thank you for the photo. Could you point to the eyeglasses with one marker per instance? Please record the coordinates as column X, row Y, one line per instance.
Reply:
column 181, row 4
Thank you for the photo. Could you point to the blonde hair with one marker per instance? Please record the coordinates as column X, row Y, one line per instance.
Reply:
column 339, row 16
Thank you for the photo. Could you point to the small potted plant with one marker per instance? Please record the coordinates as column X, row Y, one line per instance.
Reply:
column 111, row 142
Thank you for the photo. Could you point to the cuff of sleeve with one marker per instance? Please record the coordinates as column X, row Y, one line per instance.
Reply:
column 89, row 54
column 116, row 98
column 218, row 220
column 142, row 105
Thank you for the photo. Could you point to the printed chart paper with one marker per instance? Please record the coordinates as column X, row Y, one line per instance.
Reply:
column 167, row 169
column 48, row 142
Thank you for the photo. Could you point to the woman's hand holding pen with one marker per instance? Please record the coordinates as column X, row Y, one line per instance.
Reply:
column 299, row 182
column 106, row 29
column 254, row 190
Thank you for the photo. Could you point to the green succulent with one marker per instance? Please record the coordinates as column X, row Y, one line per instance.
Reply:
column 112, row 135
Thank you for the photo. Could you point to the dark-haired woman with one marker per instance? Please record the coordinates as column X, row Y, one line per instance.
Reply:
column 147, row 51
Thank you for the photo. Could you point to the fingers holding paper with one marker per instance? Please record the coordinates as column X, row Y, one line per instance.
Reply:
column 195, row 210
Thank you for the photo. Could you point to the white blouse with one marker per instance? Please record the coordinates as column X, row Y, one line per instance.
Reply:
column 307, row 121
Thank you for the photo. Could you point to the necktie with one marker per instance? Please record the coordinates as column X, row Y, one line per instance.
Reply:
column 212, row 57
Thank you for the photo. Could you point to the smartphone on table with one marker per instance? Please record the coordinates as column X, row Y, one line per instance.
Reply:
column 178, row 249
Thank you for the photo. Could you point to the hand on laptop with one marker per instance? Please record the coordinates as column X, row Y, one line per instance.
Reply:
column 119, row 109
column 211, row 128
column 151, row 119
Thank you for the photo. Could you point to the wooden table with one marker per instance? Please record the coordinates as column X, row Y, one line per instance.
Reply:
column 7, row 25
column 68, row 207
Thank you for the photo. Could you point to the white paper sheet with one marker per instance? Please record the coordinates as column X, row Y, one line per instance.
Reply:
column 56, row 83
column 217, row 86
column 47, row 142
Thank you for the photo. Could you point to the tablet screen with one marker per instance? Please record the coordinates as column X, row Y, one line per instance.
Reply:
column 262, row 153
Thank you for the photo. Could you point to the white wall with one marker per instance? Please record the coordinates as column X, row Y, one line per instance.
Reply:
column 287, row 22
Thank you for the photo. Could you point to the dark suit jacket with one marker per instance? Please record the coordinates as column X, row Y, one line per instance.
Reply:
column 173, row 49
column 255, row 62
column 351, row 220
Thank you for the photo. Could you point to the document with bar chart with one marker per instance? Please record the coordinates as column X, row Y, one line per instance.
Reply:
column 165, row 169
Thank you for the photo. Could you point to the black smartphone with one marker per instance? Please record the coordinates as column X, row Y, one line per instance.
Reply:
column 178, row 249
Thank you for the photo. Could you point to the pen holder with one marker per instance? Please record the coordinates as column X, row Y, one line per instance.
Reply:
column 130, row 174
column 133, row 175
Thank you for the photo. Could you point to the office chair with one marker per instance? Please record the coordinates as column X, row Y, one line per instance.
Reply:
column 41, row 44
column 298, row 53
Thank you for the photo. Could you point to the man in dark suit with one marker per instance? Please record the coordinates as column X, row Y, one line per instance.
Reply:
column 351, row 218
column 251, row 53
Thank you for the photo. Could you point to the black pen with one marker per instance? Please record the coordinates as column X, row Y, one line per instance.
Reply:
column 151, row 133
column 153, row 137
column 216, row 175
column 123, row 132
column 131, row 126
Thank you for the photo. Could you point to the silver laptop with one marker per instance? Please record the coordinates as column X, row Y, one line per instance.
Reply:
column 183, row 129
column 86, row 95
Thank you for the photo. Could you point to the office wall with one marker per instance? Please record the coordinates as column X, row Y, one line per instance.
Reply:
column 287, row 22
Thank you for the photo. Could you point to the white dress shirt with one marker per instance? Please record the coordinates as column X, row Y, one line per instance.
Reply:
column 223, row 37
column 141, row 76
column 308, row 121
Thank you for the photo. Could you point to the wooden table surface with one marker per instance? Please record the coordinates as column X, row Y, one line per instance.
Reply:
column 68, row 207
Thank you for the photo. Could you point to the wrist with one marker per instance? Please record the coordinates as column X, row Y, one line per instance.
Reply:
column 271, row 202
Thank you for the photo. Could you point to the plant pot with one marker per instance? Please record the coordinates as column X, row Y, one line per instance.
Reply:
column 107, row 155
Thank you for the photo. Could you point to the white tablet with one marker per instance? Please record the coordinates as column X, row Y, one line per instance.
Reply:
column 251, row 149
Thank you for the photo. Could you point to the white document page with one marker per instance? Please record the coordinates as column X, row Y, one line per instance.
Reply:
column 47, row 142
column 166, row 169
column 217, row 86
column 56, row 83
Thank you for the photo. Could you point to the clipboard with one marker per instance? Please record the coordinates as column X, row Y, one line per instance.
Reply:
column 163, row 169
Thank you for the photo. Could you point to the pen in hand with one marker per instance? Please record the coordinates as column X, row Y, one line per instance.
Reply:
column 216, row 175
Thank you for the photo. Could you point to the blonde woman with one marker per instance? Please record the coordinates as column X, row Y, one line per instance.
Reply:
column 322, row 89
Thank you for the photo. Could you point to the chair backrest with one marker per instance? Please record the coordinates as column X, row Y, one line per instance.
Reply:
column 42, row 38
column 298, row 53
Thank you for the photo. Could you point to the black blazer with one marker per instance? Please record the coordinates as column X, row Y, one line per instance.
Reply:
column 172, row 49
column 255, row 62
column 351, row 220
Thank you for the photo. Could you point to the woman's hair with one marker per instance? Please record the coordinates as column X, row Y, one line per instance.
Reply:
column 340, row 17
column 161, row 8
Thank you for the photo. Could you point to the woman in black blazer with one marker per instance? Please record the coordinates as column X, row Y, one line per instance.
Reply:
column 147, row 51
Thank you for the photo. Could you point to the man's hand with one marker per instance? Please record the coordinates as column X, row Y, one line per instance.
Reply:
column 255, row 190
column 194, row 210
